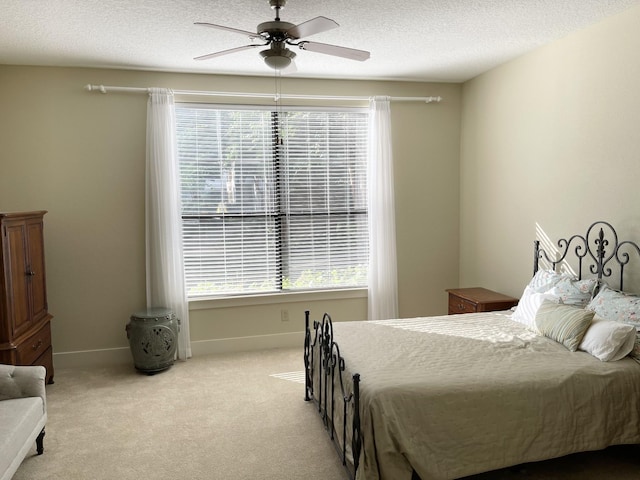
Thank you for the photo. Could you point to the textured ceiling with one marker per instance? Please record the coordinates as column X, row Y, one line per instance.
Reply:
column 428, row 40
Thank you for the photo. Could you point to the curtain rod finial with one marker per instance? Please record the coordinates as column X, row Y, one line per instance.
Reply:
column 90, row 88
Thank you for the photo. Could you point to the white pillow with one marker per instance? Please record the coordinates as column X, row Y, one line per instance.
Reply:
column 533, row 296
column 608, row 340
column 530, row 301
column 544, row 280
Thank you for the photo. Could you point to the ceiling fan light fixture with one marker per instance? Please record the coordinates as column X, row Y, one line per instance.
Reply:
column 278, row 59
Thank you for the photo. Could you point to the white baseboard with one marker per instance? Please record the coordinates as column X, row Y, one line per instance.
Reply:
column 122, row 355
column 243, row 344
column 92, row 358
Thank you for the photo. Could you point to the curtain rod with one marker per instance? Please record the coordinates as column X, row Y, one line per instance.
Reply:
column 276, row 97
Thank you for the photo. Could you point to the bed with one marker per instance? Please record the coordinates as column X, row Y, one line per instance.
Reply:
column 451, row 396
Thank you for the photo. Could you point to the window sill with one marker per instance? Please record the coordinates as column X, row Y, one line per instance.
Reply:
column 289, row 297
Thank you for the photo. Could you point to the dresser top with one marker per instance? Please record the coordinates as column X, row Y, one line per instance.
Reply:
column 37, row 213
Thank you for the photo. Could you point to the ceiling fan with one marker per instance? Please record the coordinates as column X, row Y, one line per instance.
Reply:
column 278, row 35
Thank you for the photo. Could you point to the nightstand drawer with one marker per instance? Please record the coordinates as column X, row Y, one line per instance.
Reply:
column 472, row 300
column 460, row 305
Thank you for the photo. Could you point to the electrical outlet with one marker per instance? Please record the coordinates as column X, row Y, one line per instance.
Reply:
column 284, row 315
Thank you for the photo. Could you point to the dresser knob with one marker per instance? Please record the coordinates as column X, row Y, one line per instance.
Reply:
column 36, row 345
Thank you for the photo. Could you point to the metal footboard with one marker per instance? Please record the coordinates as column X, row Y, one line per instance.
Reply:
column 324, row 367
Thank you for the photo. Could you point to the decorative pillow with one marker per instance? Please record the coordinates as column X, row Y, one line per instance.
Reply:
column 612, row 304
column 565, row 324
column 619, row 306
column 571, row 291
column 608, row 340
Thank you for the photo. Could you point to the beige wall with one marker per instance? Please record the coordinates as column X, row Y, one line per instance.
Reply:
column 80, row 156
column 552, row 139
column 549, row 139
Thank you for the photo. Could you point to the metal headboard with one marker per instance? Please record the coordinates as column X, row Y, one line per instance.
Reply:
column 599, row 245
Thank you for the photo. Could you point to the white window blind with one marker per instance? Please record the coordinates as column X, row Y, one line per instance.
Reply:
column 272, row 200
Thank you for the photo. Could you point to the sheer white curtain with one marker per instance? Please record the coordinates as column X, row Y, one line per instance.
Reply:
column 383, row 282
column 165, row 270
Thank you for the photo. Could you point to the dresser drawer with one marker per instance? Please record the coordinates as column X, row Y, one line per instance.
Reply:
column 46, row 360
column 34, row 346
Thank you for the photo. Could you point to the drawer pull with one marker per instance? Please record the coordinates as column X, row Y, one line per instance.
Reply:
column 461, row 306
column 36, row 346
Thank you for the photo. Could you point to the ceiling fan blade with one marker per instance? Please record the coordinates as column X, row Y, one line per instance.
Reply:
column 251, row 35
column 226, row 52
column 350, row 53
column 311, row 27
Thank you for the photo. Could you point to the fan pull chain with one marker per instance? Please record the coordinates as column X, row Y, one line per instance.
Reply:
column 278, row 100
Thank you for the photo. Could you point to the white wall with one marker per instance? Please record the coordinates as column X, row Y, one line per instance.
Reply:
column 80, row 156
column 551, row 138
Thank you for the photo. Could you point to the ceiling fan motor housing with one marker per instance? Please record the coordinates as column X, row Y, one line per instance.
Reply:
column 275, row 29
column 277, row 3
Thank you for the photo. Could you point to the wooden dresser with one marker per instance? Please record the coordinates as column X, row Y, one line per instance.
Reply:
column 471, row 300
column 25, row 323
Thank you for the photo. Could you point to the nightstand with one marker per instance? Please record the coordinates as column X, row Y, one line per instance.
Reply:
column 472, row 300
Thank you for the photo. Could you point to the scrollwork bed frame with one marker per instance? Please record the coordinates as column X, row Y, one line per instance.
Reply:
column 330, row 367
column 591, row 246
column 324, row 364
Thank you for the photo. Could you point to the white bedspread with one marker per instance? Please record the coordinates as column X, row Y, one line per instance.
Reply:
column 457, row 395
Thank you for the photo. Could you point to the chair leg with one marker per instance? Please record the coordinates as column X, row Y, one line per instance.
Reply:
column 39, row 442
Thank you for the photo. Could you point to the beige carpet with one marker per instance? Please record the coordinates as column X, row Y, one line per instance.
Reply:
column 232, row 417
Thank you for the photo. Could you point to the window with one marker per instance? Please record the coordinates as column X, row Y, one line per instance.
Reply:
column 272, row 201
